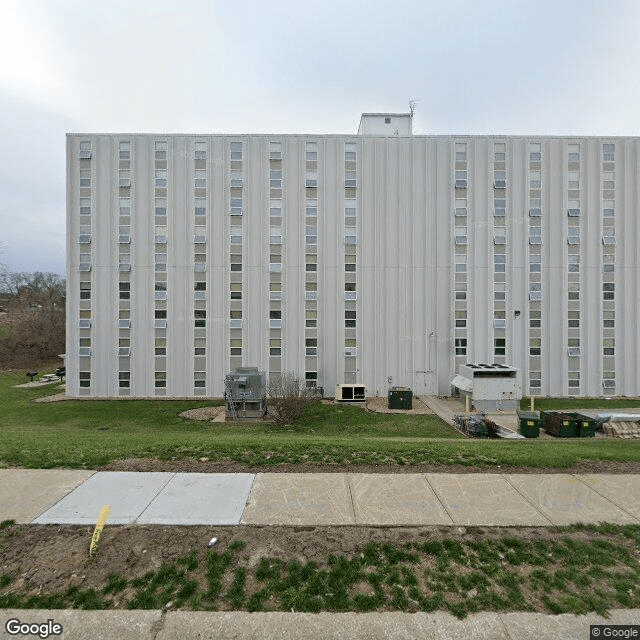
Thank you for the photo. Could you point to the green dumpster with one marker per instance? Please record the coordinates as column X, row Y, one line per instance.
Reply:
column 586, row 425
column 528, row 424
column 400, row 398
column 561, row 425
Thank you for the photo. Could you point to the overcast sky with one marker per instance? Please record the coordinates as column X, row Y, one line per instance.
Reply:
column 292, row 66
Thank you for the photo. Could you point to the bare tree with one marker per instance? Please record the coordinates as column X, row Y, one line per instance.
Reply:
column 288, row 398
column 35, row 320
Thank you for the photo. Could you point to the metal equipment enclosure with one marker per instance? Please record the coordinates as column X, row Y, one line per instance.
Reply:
column 400, row 398
column 491, row 387
column 245, row 393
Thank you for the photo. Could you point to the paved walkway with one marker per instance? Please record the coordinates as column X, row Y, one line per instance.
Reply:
column 76, row 497
column 155, row 625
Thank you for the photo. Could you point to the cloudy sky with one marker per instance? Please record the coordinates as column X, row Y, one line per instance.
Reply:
column 292, row 66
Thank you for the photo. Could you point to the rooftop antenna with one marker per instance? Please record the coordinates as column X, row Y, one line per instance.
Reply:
column 412, row 105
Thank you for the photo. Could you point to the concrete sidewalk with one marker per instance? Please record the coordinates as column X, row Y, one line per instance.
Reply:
column 511, row 499
column 156, row 625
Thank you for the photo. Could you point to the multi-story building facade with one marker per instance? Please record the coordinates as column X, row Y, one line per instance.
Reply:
column 381, row 258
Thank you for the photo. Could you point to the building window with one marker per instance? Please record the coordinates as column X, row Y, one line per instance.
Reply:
column 461, row 346
column 275, row 347
column 499, row 346
column 461, row 319
column 609, row 347
column 160, row 346
column 608, row 291
column 84, row 379
column 535, row 346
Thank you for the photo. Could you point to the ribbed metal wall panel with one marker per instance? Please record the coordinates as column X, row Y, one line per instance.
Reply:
column 405, row 254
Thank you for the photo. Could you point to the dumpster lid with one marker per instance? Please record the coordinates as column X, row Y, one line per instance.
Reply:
column 528, row 415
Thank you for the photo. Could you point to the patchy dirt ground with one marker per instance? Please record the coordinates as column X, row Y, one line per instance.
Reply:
column 52, row 558
column 230, row 466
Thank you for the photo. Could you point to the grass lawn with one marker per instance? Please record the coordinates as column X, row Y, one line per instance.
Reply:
column 570, row 404
column 88, row 434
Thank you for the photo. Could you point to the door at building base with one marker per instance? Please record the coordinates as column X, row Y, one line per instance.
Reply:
column 425, row 383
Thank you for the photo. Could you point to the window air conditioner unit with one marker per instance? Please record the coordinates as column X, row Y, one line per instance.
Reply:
column 124, row 182
column 124, row 239
column 236, row 323
column 84, row 324
column 84, row 154
column 350, row 393
column 124, row 351
column 351, row 351
column 573, row 240
column 574, row 213
column 160, row 295
column 124, row 324
column 84, row 238
column 608, row 384
column 85, row 266
column 160, row 324
column 535, row 240
column 84, row 351
column 499, row 184
column 573, row 351
column 461, row 184
column 535, row 213
column 350, row 183
column 311, row 295
column 605, row 240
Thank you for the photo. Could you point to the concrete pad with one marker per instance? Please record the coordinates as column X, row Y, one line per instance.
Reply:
column 330, row 626
column 565, row 500
column 622, row 489
column 128, row 493
column 200, row 498
column 505, row 420
column 299, row 499
column 27, row 493
column 88, row 625
column 403, row 499
column 483, row 499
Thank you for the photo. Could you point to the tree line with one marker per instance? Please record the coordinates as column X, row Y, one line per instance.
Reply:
column 32, row 319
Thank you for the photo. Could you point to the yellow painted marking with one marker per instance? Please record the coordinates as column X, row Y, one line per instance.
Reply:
column 97, row 532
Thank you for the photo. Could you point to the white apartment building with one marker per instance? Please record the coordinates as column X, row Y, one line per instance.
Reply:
column 382, row 258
